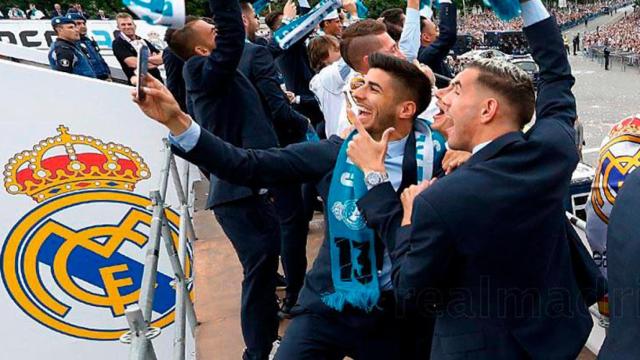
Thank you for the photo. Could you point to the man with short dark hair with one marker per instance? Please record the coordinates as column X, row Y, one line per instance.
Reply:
column 437, row 42
column 224, row 102
column 487, row 244
column 332, row 25
column 125, row 48
column 394, row 21
column 258, row 66
column 348, row 310
column 90, row 47
column 64, row 55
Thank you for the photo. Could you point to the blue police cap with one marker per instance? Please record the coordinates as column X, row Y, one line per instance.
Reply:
column 76, row 16
column 61, row 20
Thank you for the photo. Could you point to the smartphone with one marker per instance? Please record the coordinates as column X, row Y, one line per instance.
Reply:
column 142, row 70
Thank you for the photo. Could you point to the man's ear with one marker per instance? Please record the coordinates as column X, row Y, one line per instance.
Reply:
column 489, row 110
column 201, row 50
column 245, row 21
column 407, row 110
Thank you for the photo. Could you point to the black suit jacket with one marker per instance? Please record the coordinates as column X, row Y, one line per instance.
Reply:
column 173, row 67
column 435, row 54
column 308, row 162
column 623, row 252
column 488, row 244
column 223, row 101
column 258, row 66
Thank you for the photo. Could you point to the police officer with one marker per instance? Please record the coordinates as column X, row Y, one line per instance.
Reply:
column 90, row 47
column 64, row 54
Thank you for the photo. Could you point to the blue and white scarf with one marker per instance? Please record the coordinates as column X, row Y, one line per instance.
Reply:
column 289, row 34
column 351, row 243
column 158, row 12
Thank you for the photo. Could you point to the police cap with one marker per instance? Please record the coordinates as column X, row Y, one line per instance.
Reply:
column 76, row 16
column 61, row 20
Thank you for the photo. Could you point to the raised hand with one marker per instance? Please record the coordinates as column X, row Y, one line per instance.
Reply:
column 408, row 196
column 289, row 11
column 160, row 105
column 367, row 153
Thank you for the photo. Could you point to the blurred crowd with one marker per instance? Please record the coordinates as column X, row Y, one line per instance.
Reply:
column 623, row 35
column 33, row 12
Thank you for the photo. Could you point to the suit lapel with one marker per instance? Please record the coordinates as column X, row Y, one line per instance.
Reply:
column 494, row 147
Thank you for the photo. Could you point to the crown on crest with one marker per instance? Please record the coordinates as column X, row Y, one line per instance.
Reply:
column 67, row 163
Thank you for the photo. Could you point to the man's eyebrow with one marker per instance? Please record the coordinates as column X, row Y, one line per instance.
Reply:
column 456, row 83
column 375, row 84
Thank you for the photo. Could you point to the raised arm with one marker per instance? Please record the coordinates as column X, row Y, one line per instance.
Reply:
column 221, row 64
column 304, row 162
column 409, row 42
column 555, row 99
column 446, row 40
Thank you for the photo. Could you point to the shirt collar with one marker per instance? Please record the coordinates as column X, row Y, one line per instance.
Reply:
column 396, row 148
column 479, row 147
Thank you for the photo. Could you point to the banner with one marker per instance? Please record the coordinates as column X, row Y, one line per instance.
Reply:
column 619, row 156
column 79, row 160
column 39, row 34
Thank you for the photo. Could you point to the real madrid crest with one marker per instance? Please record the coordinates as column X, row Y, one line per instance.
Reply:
column 75, row 261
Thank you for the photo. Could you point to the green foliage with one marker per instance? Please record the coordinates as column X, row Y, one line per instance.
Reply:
column 199, row 7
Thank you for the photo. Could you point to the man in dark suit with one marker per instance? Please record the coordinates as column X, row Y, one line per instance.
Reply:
column 393, row 93
column 435, row 43
column 623, row 252
column 258, row 66
column 293, row 64
column 487, row 245
column 224, row 102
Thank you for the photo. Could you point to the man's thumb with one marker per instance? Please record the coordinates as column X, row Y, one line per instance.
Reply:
column 386, row 135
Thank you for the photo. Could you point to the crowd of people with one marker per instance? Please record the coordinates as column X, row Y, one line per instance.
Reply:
column 479, row 22
column 422, row 177
column 34, row 13
column 623, row 36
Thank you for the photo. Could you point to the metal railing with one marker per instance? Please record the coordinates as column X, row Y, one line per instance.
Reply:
column 139, row 315
column 617, row 59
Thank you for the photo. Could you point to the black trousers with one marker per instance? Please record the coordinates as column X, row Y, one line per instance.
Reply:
column 606, row 63
column 294, row 228
column 252, row 226
column 382, row 337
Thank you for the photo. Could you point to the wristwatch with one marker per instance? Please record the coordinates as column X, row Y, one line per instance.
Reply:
column 373, row 178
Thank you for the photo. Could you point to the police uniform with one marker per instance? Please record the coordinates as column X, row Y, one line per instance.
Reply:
column 66, row 56
column 90, row 47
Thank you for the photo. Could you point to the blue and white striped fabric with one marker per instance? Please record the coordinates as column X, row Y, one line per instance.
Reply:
column 504, row 9
column 290, row 33
column 158, row 12
column 425, row 9
column 259, row 5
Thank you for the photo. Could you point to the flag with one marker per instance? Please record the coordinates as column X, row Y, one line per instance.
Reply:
column 289, row 34
column 158, row 12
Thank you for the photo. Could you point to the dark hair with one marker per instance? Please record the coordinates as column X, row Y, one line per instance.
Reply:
column 318, row 50
column 510, row 82
column 359, row 40
column 393, row 16
column 413, row 84
column 184, row 40
column 272, row 18
column 423, row 23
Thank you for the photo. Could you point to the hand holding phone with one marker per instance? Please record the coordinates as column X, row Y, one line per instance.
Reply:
column 142, row 70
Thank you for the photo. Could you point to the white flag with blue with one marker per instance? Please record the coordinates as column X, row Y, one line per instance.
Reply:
column 290, row 33
column 158, row 12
